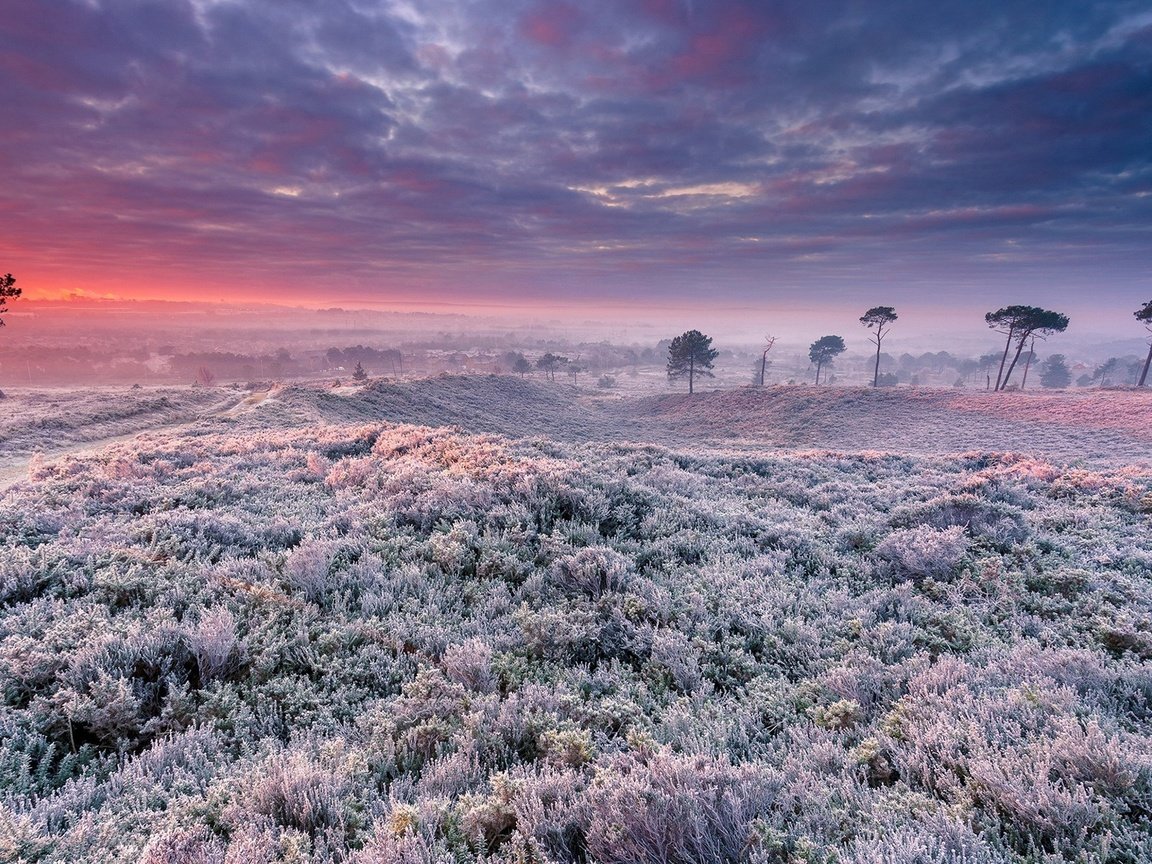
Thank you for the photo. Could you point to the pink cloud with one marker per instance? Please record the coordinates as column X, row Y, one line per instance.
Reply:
column 553, row 25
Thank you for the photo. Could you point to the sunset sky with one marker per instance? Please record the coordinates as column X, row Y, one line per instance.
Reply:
column 497, row 152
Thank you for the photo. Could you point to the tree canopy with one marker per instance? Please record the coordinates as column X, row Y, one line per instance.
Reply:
column 549, row 363
column 8, row 291
column 824, row 350
column 881, row 318
column 1019, row 324
column 690, row 354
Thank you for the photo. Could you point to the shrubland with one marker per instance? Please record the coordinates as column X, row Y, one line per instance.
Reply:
column 369, row 642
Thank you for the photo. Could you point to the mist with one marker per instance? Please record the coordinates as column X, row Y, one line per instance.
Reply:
column 104, row 342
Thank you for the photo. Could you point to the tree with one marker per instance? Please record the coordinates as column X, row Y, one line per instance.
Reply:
column 359, row 374
column 1019, row 324
column 771, row 340
column 8, row 291
column 1029, row 357
column 987, row 362
column 824, row 350
column 1054, row 373
column 549, row 363
column 521, row 365
column 690, row 354
column 1105, row 369
column 1143, row 315
column 880, row 317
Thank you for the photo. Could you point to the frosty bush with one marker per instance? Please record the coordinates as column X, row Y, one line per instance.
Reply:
column 470, row 664
column 924, row 552
column 463, row 648
column 666, row 808
column 219, row 651
column 591, row 572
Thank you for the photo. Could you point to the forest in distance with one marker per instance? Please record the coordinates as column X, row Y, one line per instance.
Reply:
column 41, row 351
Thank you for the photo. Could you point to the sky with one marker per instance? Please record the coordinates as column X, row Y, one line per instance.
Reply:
column 631, row 154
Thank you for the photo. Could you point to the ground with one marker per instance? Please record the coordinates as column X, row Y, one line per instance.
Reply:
column 481, row 618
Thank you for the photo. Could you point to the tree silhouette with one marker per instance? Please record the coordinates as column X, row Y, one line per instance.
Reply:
column 768, row 343
column 550, row 363
column 359, row 374
column 1054, row 373
column 880, row 317
column 1019, row 324
column 1144, row 316
column 690, row 354
column 1105, row 369
column 8, row 291
column 521, row 365
column 1028, row 358
column 824, row 350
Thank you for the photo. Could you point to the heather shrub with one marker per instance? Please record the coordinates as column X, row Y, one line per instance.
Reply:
column 219, row 651
column 924, row 552
column 470, row 664
column 591, row 572
column 680, row 810
column 999, row 524
column 464, row 648
column 187, row 846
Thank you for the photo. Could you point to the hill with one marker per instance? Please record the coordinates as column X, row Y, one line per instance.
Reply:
column 1096, row 425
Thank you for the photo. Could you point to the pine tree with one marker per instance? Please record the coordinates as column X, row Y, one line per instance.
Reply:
column 1054, row 373
column 824, row 350
column 1020, row 324
column 690, row 354
column 880, row 317
column 8, row 291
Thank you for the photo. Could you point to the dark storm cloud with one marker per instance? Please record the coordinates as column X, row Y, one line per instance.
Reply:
column 527, row 146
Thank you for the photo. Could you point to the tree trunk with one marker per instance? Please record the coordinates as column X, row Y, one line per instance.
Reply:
column 876, row 371
column 691, row 373
column 818, row 365
column 1028, row 364
column 1147, row 362
column 1015, row 359
column 1004, row 359
column 763, row 366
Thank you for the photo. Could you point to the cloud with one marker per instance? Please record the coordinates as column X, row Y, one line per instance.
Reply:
column 627, row 147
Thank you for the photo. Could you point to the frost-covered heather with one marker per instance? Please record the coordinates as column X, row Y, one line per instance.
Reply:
column 392, row 644
column 48, row 419
column 1097, row 425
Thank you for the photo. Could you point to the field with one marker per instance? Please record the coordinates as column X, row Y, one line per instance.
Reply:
column 486, row 619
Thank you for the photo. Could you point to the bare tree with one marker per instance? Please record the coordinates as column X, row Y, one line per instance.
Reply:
column 771, row 340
